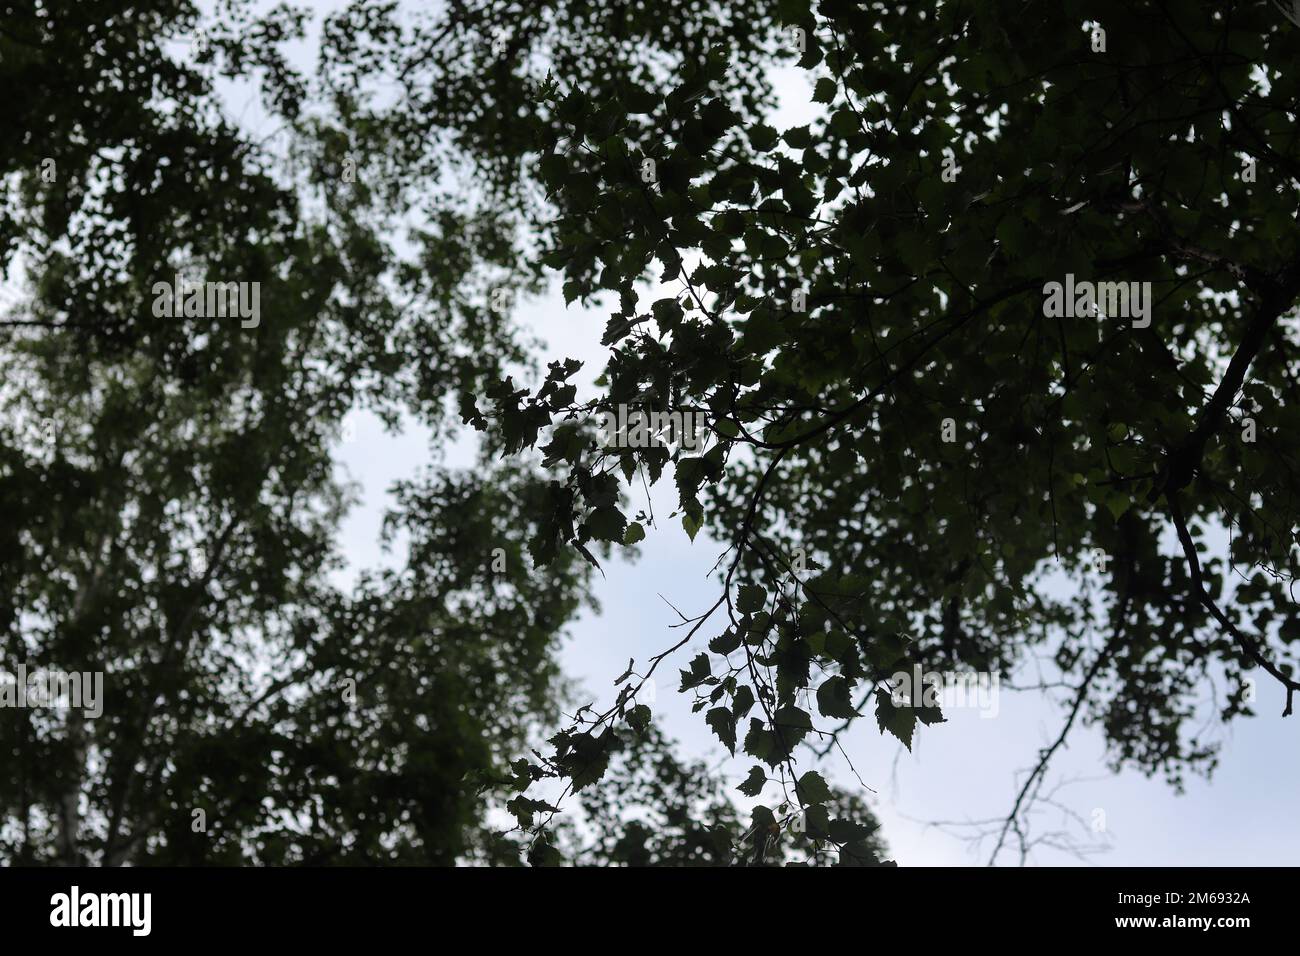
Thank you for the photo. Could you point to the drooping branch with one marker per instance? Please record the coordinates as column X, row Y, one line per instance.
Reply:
column 1185, row 458
column 1247, row 644
column 1082, row 691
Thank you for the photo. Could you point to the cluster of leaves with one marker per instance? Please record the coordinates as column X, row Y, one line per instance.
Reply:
column 653, row 809
column 836, row 303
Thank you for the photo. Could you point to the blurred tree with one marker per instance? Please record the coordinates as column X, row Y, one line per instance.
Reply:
column 167, row 491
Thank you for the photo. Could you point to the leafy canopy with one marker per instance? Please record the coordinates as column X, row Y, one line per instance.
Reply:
column 908, row 447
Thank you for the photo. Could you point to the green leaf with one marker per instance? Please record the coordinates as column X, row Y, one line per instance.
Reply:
column 639, row 717
column 725, row 643
column 1117, row 503
column 667, row 313
column 699, row 672
column 587, row 758
column 761, row 743
column 812, row 788
column 793, row 724
column 816, row 821
column 797, row 137
column 753, row 784
column 834, row 699
column 606, row 524
column 542, row 853
column 899, row 721
column 751, row 599
column 723, row 722
column 589, row 772
column 848, row 831
column 726, row 428
column 742, row 701
column 763, row 137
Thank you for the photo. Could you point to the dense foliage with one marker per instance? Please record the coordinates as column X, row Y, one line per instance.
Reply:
column 912, row 434
column 920, row 451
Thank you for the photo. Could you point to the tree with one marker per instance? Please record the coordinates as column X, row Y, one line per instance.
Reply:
column 168, row 492
column 1013, row 305
column 653, row 809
